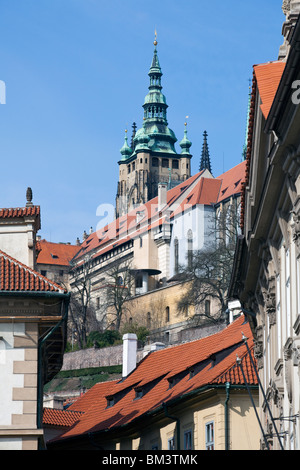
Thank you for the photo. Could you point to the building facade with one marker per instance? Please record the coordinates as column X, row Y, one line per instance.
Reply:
column 153, row 241
column 53, row 260
column 266, row 277
column 33, row 320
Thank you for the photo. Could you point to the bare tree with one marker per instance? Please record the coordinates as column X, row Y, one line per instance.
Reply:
column 117, row 289
column 209, row 269
column 82, row 314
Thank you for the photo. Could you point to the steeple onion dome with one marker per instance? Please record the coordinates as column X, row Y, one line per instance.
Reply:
column 185, row 144
column 125, row 151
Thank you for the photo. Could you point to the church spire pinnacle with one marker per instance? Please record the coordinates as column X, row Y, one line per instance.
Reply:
column 155, row 39
column 155, row 105
column 125, row 151
column 205, row 158
column 185, row 144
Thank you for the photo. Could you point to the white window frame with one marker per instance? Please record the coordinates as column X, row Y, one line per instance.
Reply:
column 210, row 435
column 188, row 440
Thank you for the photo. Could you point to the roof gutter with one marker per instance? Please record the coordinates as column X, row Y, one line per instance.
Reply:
column 34, row 294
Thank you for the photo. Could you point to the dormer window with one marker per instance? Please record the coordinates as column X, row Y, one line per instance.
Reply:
column 171, row 382
column 138, row 393
column 110, row 401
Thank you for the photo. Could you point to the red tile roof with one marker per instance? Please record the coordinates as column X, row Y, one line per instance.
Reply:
column 268, row 77
column 196, row 190
column 16, row 277
column 232, row 181
column 60, row 418
column 55, row 253
column 265, row 81
column 19, row 212
column 166, row 376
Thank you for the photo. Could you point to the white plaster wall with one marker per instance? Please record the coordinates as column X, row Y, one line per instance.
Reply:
column 9, row 380
column 164, row 260
column 200, row 221
column 14, row 242
column 14, row 443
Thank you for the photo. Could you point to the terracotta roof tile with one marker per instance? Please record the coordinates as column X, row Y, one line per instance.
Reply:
column 232, row 181
column 60, row 418
column 16, row 277
column 265, row 81
column 19, row 212
column 196, row 190
column 165, row 376
column 55, row 253
column 268, row 77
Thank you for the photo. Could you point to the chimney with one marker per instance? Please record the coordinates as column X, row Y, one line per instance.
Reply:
column 162, row 195
column 129, row 353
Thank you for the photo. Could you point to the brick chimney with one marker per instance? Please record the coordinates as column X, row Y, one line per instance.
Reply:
column 129, row 353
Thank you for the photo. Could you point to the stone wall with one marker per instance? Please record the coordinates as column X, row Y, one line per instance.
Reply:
column 111, row 356
column 93, row 357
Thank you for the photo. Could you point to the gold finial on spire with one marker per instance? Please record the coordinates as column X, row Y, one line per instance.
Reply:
column 186, row 117
column 155, row 40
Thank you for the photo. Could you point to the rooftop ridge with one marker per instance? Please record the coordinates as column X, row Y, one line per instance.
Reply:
column 29, row 270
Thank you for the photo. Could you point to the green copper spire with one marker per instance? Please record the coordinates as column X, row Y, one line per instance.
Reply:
column 141, row 140
column 125, row 151
column 185, row 144
column 205, row 159
column 155, row 105
column 161, row 138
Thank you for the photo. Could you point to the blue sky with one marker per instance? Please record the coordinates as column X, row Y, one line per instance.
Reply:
column 76, row 74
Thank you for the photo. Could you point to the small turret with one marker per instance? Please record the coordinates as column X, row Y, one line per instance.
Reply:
column 205, row 158
column 125, row 151
column 185, row 144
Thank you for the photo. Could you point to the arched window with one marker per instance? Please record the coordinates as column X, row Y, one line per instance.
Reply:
column 207, row 307
column 167, row 314
column 190, row 248
column 176, row 255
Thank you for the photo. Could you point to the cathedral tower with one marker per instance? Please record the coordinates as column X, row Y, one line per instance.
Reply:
column 151, row 157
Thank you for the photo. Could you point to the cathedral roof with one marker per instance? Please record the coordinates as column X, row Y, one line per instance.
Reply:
column 200, row 189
